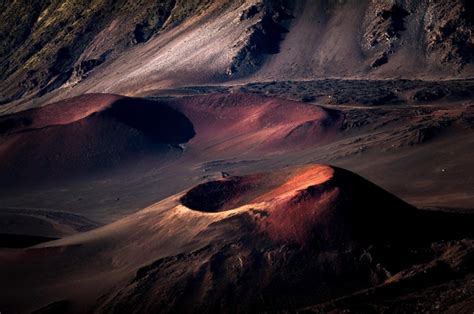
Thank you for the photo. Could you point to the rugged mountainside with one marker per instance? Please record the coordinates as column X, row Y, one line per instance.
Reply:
column 58, row 41
column 135, row 47
column 383, row 39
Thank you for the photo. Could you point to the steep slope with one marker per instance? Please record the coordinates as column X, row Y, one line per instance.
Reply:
column 266, row 241
column 46, row 44
column 201, row 42
column 249, row 125
column 299, row 238
column 86, row 135
column 379, row 39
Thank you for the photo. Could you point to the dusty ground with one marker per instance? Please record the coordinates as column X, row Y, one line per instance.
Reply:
column 307, row 228
column 416, row 144
column 419, row 149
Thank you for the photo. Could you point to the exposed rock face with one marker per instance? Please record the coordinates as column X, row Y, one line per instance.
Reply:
column 382, row 30
column 213, row 41
column 446, row 26
column 82, row 70
column 261, row 38
column 450, row 31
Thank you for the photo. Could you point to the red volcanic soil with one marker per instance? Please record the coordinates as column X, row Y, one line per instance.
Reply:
column 126, row 149
column 86, row 134
column 246, row 123
column 285, row 239
column 317, row 203
column 268, row 241
column 279, row 240
column 59, row 113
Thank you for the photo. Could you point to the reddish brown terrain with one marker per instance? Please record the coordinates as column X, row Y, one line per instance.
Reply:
column 86, row 134
column 253, row 124
column 250, row 156
column 298, row 236
column 293, row 233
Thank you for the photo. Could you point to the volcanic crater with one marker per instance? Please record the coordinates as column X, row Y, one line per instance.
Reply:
column 257, row 231
column 86, row 135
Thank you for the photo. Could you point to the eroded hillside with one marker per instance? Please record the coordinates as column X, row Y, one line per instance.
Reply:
column 46, row 44
column 132, row 47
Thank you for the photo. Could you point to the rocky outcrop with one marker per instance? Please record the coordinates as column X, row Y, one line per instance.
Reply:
column 261, row 38
column 51, row 43
column 383, row 27
column 446, row 26
column 450, row 31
